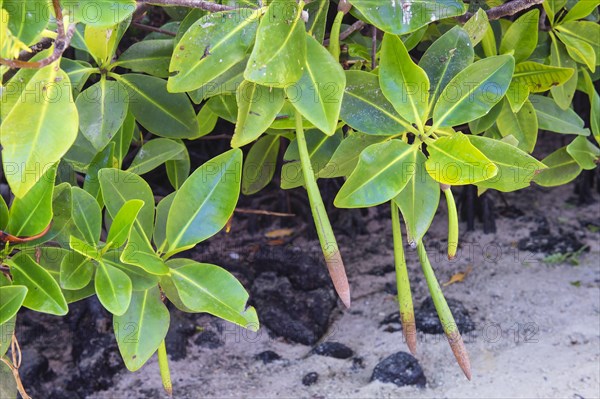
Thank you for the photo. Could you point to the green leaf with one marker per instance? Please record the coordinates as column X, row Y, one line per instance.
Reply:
column 207, row 120
column 445, row 58
column 3, row 213
column 27, row 18
column 113, row 288
column 118, row 187
column 382, row 172
column 516, row 168
column 101, row 12
column 77, row 71
column 366, row 109
column 487, row 121
column 104, row 159
column 257, row 108
column 564, row 93
column 154, row 153
column 162, row 113
column 34, row 143
column 474, row 91
column 142, row 328
column 212, row 46
column 562, row 168
column 455, row 161
column 76, row 271
column 31, row 214
column 8, row 384
column 87, row 216
column 586, row 154
column 148, row 56
column 418, row 201
column 552, row 7
column 8, row 329
column 539, row 78
column 580, row 50
column 260, row 163
column 522, row 36
column 140, row 279
column 12, row 299
column 102, row 109
column 279, row 53
column 319, row 92
column 226, row 83
column 123, row 138
column 585, row 32
column 477, row 26
column 83, row 248
column 139, row 252
column 160, row 226
column 554, row 119
column 317, row 18
column 346, row 156
column 402, row 81
column 205, row 202
column 100, row 42
column 523, row 125
column 594, row 106
column 179, row 169
column 580, row 10
column 43, row 292
column 401, row 17
column 208, row 288
column 488, row 42
column 123, row 222
column 224, row 106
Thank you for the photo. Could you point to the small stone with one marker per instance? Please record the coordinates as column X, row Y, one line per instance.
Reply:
column 310, row 378
column 427, row 320
column 401, row 369
column 208, row 339
column 267, row 357
column 358, row 363
column 33, row 365
column 334, row 349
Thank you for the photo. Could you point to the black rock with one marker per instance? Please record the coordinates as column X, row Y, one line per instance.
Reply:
column 400, row 369
column 358, row 363
column 300, row 316
column 427, row 320
column 208, row 339
column 334, row 349
column 542, row 242
column 267, row 357
column 310, row 378
column 33, row 366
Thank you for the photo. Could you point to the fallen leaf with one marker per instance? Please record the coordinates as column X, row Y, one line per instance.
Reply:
column 458, row 277
column 279, row 233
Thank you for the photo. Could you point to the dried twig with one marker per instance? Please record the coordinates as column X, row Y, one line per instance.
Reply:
column 505, row 10
column 262, row 212
column 153, row 29
column 203, row 5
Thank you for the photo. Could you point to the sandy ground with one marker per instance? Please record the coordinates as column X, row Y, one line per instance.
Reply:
column 537, row 335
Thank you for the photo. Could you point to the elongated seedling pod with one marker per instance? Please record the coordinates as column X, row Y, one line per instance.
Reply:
column 405, row 303
column 333, row 259
column 444, row 313
column 452, row 221
column 163, row 365
column 334, row 36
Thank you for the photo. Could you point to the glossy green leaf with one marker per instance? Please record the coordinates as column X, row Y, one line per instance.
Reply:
column 579, row 49
column 8, row 384
column 160, row 225
column 226, row 83
column 162, row 113
column 383, row 170
column 76, row 271
column 102, row 12
column 346, row 156
column 139, row 252
column 213, row 45
column 104, row 159
column 401, row 17
column 563, row 94
column 3, row 213
column 140, row 279
column 522, row 36
column 455, row 161
column 552, row 118
column 523, row 125
column 78, row 73
column 539, row 77
column 207, row 120
column 582, row 31
column 224, row 106
column 32, row 213
column 402, row 81
column 259, row 166
column 516, row 168
column 33, row 144
column 580, row 10
column 123, row 222
column 445, row 58
column 594, row 106
column 487, row 121
column 100, row 42
column 113, row 288
column 142, row 328
column 562, row 168
column 366, row 109
column 257, row 108
column 102, row 109
column 83, row 248
column 474, row 91
column 208, row 288
column 586, row 154
column 488, row 42
column 317, row 18
column 419, row 200
column 43, row 293
column 179, row 169
column 62, row 218
column 517, row 95
column 27, row 18
column 148, row 56
column 87, row 216
column 319, row 92
column 205, row 202
column 8, row 329
column 118, row 187
column 279, row 53
column 154, row 153
column 477, row 27
column 552, row 7
column 123, row 137
column 12, row 298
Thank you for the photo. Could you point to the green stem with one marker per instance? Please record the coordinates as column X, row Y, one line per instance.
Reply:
column 333, row 259
column 444, row 313
column 163, row 364
column 452, row 222
column 405, row 303
column 334, row 37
